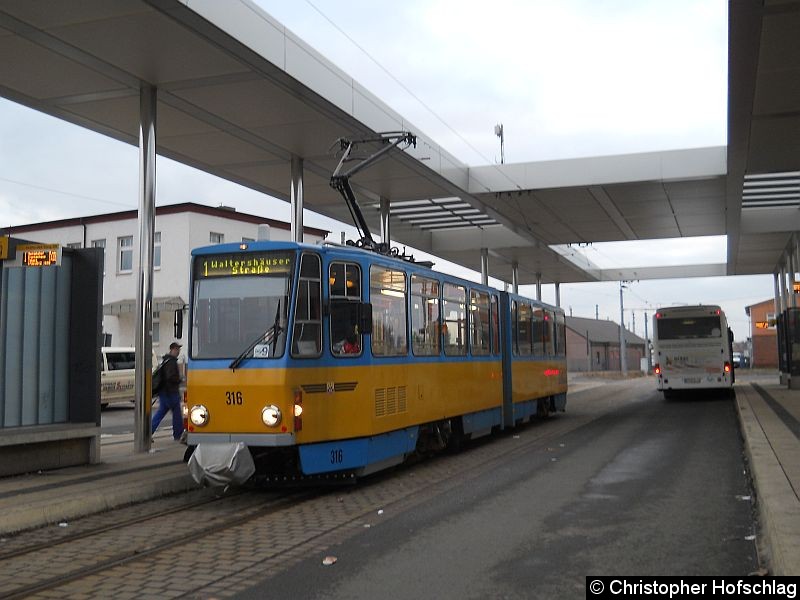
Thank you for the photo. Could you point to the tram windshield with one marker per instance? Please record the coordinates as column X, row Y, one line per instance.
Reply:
column 232, row 311
column 682, row 328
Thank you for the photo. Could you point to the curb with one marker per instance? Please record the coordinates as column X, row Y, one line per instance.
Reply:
column 778, row 506
column 86, row 499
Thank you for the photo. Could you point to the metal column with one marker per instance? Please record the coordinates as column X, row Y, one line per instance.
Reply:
column 646, row 344
column 144, row 291
column 539, row 287
column 796, row 253
column 782, row 290
column 515, row 277
column 386, row 232
column 297, row 199
column 792, row 268
column 777, row 306
column 485, row 266
column 558, row 294
column 623, row 350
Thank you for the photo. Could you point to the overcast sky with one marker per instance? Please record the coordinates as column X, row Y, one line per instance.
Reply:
column 567, row 79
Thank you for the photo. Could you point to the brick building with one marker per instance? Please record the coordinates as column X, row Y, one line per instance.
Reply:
column 764, row 334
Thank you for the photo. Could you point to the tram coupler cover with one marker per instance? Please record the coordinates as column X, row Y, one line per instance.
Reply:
column 218, row 465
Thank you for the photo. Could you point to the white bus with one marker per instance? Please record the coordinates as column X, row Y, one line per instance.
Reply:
column 692, row 349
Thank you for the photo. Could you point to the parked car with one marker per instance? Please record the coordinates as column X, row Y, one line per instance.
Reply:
column 117, row 375
column 737, row 360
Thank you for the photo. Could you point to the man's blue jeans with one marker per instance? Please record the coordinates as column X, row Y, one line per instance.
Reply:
column 169, row 401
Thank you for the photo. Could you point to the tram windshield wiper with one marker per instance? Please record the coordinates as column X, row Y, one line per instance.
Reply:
column 270, row 336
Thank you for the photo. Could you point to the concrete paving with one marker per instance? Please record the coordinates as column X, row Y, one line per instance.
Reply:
column 769, row 415
column 121, row 477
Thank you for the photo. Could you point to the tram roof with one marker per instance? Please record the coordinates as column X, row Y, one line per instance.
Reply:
column 218, row 65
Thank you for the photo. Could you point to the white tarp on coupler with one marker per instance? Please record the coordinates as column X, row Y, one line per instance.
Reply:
column 217, row 465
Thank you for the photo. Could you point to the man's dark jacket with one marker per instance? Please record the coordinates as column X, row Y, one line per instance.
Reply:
column 170, row 375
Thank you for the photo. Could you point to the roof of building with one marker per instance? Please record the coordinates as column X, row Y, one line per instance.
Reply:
column 763, row 302
column 602, row 332
column 171, row 209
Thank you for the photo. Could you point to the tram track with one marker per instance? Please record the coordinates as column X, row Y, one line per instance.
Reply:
column 119, row 525
column 252, row 509
column 291, row 524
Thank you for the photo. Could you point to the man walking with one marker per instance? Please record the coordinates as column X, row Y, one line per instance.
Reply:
column 169, row 393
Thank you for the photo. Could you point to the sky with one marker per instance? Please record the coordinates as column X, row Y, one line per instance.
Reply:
column 566, row 79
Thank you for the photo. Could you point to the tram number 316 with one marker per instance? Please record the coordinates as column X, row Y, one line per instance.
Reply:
column 337, row 456
column 234, row 398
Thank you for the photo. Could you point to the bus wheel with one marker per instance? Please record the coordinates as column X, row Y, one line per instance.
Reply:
column 669, row 394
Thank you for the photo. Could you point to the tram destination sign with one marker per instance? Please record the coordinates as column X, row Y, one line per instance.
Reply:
column 243, row 264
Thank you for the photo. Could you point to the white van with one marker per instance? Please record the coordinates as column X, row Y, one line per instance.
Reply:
column 117, row 375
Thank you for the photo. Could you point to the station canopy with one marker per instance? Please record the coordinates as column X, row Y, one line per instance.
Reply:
column 239, row 95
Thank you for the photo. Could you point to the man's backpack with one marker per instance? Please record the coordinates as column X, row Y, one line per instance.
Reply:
column 158, row 380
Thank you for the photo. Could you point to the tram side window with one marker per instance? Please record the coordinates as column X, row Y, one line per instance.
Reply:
column 344, row 290
column 479, row 325
column 454, row 326
column 495, row 325
column 549, row 338
column 307, row 335
column 387, row 292
column 538, row 332
column 523, row 327
column 424, row 316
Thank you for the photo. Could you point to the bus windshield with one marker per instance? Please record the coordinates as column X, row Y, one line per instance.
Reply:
column 230, row 313
column 682, row 328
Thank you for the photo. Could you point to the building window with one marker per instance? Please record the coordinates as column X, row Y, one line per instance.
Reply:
column 125, row 253
column 101, row 244
column 157, row 250
column 216, row 238
column 74, row 245
column 156, row 327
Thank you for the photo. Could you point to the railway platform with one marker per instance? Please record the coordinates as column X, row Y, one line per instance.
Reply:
column 121, row 477
column 769, row 416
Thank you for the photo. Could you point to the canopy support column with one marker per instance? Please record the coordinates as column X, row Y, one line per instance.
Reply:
column 386, row 230
column 515, row 277
column 297, row 199
column 144, row 292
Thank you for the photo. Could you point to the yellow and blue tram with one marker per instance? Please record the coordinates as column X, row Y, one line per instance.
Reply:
column 333, row 360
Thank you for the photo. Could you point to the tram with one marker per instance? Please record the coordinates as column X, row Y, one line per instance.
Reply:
column 334, row 361
column 692, row 346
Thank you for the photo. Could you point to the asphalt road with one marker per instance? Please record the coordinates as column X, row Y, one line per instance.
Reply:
column 649, row 487
column 116, row 419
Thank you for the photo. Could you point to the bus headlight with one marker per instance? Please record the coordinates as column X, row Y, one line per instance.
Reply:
column 271, row 415
column 198, row 415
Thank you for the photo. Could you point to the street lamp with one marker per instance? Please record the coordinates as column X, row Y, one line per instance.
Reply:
column 498, row 131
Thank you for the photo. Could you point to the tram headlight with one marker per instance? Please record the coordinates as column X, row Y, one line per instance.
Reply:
column 271, row 415
column 198, row 415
